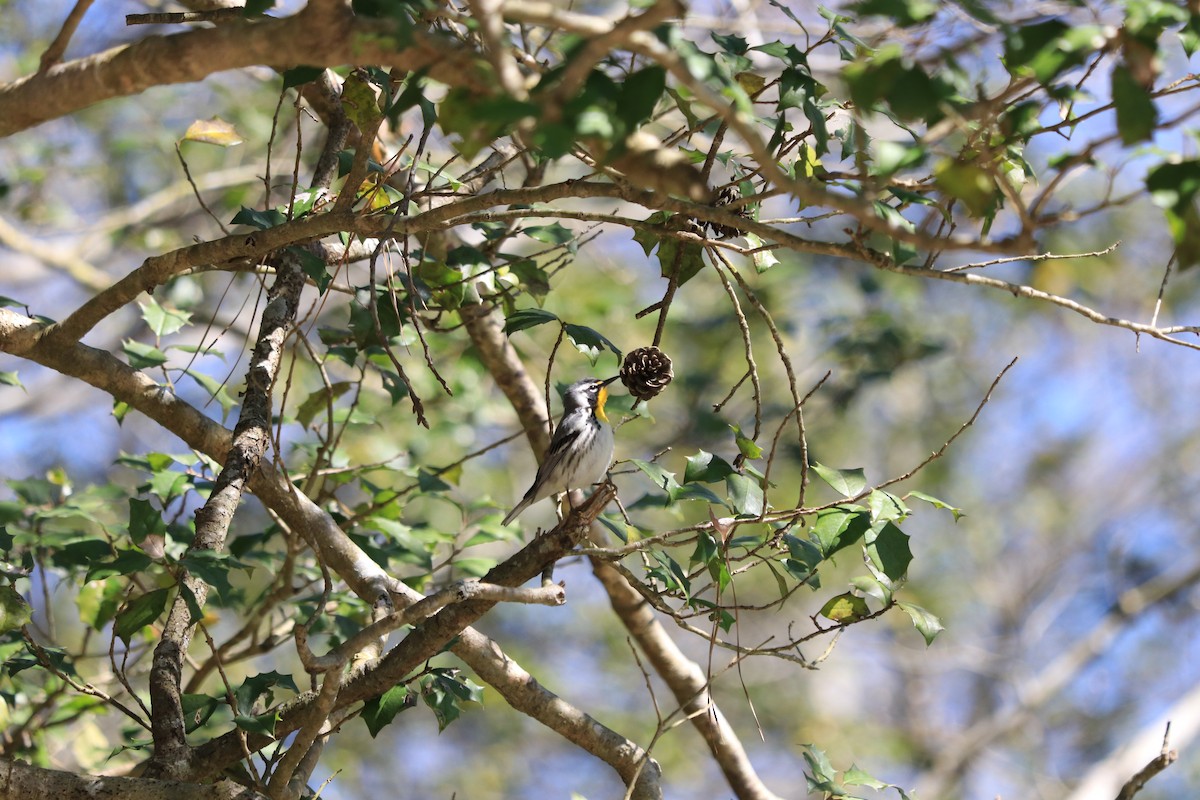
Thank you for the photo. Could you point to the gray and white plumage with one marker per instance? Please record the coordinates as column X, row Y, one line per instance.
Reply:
column 581, row 448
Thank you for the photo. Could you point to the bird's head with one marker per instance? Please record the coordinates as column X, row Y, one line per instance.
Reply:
column 588, row 393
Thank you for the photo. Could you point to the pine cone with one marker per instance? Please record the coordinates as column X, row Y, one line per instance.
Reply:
column 646, row 372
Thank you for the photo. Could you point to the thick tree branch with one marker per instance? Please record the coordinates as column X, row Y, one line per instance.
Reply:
column 327, row 35
column 35, row 783
column 251, row 437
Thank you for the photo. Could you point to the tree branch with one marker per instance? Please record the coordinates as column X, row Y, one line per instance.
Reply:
column 250, row 439
column 35, row 783
column 328, row 35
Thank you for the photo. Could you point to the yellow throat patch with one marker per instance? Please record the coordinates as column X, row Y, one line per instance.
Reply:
column 601, row 398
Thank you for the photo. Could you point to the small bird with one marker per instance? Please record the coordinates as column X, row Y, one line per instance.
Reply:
column 582, row 446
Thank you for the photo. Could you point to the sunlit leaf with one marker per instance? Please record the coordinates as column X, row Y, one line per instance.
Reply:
column 213, row 131
column 847, row 482
column 14, row 611
column 839, row 527
column 845, row 608
column 162, row 319
column 928, row 625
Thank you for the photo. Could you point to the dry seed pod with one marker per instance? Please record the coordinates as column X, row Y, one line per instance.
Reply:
column 646, row 372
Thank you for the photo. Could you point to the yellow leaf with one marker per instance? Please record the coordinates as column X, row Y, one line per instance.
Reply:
column 213, row 131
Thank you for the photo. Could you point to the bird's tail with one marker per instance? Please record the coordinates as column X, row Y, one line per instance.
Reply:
column 526, row 501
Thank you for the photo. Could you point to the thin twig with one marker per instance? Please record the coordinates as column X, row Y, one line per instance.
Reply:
column 54, row 52
column 1164, row 759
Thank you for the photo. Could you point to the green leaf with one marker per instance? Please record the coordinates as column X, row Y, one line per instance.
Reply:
column 936, row 503
column 263, row 724
column 856, row 776
column 447, row 694
column 745, row 445
column 256, row 8
column 662, row 479
column 804, row 554
column 706, row 549
column 669, row 573
column 139, row 613
column 763, row 259
column 689, row 255
column 967, row 182
column 845, row 608
column 1137, row 115
column 706, row 468
column 891, row 157
column 839, row 527
column 885, row 506
column 393, row 384
column 473, row 122
column 428, row 482
column 928, row 625
column 872, row 587
column 261, row 687
column 745, row 494
column 10, row 379
column 144, row 519
column 259, row 219
column 823, row 772
column 731, row 43
column 551, row 234
column 360, row 103
column 905, row 13
column 197, row 708
column 320, row 401
column 639, row 95
column 889, row 551
column 910, row 92
column 314, row 267
column 162, row 320
column 590, row 340
column 535, row 279
column 298, row 76
column 378, row 712
column 1173, row 187
column 1047, row 49
column 213, row 568
column 14, row 611
column 142, row 356
column 847, row 482
column 524, row 318
column 215, row 388
column 126, row 562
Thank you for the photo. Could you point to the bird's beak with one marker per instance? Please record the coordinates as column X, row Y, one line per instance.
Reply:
column 610, row 380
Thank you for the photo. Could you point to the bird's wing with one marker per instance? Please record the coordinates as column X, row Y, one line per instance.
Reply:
column 559, row 446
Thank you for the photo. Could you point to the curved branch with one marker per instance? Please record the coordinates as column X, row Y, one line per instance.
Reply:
column 321, row 34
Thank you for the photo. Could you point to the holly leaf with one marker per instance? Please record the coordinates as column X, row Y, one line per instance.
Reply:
column 140, row 612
